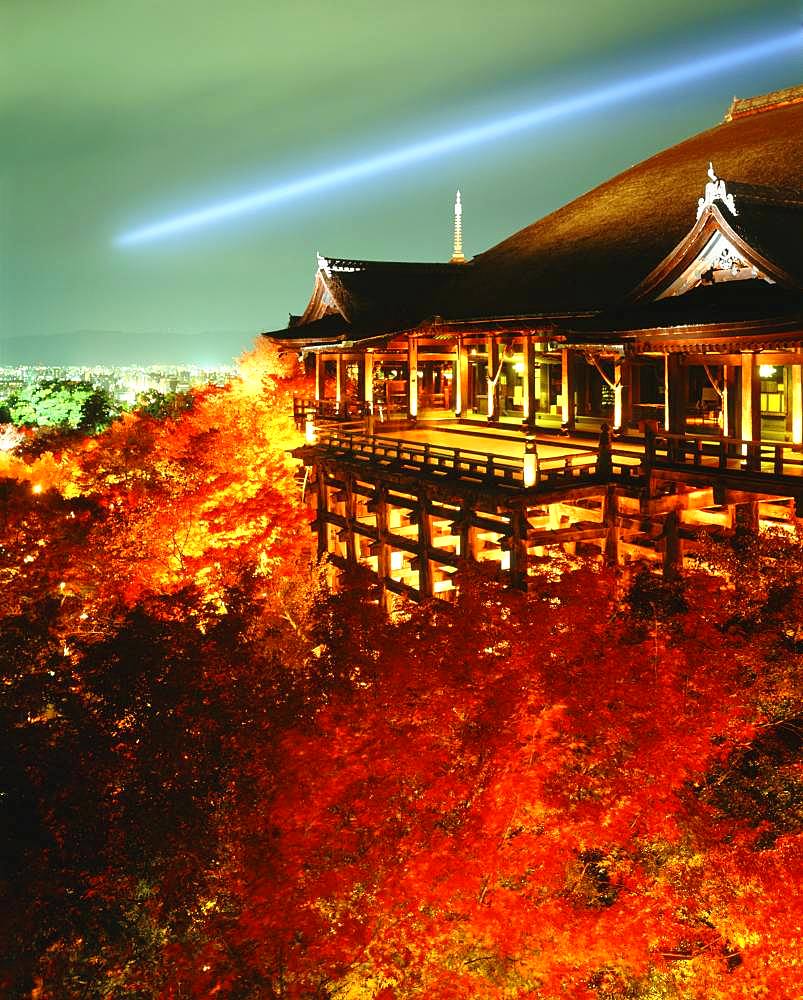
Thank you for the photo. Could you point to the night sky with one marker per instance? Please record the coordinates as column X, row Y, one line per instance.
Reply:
column 117, row 114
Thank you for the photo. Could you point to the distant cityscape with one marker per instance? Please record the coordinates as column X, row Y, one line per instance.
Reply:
column 122, row 382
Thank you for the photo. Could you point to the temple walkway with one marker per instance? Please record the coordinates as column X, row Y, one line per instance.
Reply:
column 701, row 451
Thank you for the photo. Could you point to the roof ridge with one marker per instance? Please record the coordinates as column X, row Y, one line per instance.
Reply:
column 354, row 264
column 740, row 107
column 786, row 197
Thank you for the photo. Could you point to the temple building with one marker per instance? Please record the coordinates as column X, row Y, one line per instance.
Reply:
column 614, row 379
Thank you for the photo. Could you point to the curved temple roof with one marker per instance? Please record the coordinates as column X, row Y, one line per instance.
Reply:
column 589, row 255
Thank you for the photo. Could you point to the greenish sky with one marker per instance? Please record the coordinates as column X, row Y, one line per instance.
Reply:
column 114, row 114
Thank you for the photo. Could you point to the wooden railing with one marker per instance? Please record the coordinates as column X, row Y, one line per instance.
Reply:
column 327, row 410
column 576, row 467
column 389, row 451
column 727, row 453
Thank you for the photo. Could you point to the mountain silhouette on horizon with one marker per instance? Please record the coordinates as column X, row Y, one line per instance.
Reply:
column 116, row 347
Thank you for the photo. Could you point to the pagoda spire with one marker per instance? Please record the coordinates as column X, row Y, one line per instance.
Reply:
column 457, row 251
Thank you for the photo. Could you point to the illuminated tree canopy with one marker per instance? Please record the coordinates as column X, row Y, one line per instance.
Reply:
column 61, row 402
column 219, row 779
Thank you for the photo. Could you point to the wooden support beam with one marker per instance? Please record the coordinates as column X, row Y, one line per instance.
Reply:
column 646, row 527
column 348, row 503
column 322, row 509
column 402, row 589
column 412, row 377
column 623, row 376
column 530, row 395
column 796, row 380
column 775, row 358
column 636, row 551
column 320, row 376
column 518, row 549
column 680, row 501
column 750, row 429
column 610, row 521
column 424, row 548
column 748, row 517
column 340, row 378
column 368, row 380
column 675, row 388
column 565, row 495
column 728, row 399
column 492, row 347
column 579, row 532
column 383, row 554
column 567, row 389
column 702, row 518
column 461, row 379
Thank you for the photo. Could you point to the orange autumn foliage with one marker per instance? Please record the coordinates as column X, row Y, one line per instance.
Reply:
column 193, row 499
column 245, row 789
column 526, row 808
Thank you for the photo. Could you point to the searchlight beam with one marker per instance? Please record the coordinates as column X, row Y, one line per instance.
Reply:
column 451, row 142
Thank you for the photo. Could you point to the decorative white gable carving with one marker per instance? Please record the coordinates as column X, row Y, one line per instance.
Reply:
column 715, row 191
column 718, row 261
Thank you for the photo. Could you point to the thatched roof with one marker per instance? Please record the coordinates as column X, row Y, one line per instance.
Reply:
column 589, row 255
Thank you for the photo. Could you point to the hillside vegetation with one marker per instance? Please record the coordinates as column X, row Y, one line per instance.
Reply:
column 217, row 779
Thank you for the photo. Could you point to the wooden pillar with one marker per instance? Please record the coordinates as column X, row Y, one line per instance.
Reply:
column 567, row 389
column 320, row 376
column 796, row 380
column 339, row 378
column 751, row 404
column 676, row 378
column 461, row 380
column 623, row 408
column 380, row 503
column 467, row 533
column 518, row 549
column 424, row 545
column 634, row 389
column 350, row 515
column 609, row 520
column 493, row 367
column 728, row 397
column 322, row 510
column 747, row 517
column 368, row 380
column 412, row 377
column 530, row 398
column 464, row 529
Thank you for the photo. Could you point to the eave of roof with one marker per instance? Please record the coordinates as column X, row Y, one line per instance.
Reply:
column 331, row 327
column 706, row 307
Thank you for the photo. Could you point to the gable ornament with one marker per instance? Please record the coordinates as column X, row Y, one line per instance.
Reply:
column 715, row 191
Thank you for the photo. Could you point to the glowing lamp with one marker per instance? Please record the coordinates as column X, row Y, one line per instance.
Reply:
column 530, row 462
column 518, row 367
column 766, row 371
column 37, row 487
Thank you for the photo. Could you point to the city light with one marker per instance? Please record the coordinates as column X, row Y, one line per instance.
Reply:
column 635, row 87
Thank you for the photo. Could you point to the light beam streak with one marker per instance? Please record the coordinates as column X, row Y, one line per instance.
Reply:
column 451, row 142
